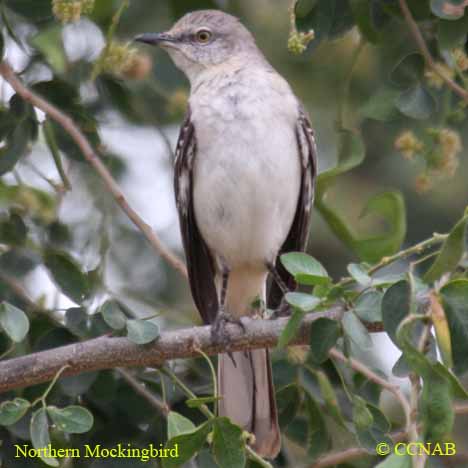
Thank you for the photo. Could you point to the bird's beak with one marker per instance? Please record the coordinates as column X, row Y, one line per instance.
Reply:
column 155, row 38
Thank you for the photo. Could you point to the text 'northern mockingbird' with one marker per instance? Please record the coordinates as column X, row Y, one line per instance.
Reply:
column 244, row 175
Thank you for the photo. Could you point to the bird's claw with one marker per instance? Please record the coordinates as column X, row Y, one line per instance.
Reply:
column 218, row 329
column 284, row 310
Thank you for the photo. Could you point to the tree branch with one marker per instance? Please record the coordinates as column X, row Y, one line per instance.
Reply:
column 90, row 155
column 109, row 352
column 416, row 33
column 141, row 389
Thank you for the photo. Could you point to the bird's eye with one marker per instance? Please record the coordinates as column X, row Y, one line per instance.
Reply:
column 203, row 36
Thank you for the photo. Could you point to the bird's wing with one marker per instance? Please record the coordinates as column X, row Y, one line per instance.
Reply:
column 299, row 232
column 200, row 263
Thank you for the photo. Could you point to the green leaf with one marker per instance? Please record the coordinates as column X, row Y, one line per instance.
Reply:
column 302, row 301
column 19, row 140
column 13, row 230
column 381, row 105
column 291, row 328
column 328, row 18
column 390, row 207
column 14, row 322
column 67, row 275
column 228, row 444
column 305, row 269
column 362, row 417
column 113, row 315
column 67, row 98
column 49, row 43
column 448, row 9
column 200, row 401
column 324, row 334
column 359, row 274
column 356, row 331
column 409, row 70
column 451, row 34
column 368, row 306
column 329, row 397
column 288, row 400
column 363, row 16
column 442, row 330
column 351, row 153
column 458, row 390
column 33, row 202
column 436, row 405
column 13, row 410
column 185, row 446
column 178, row 424
column 380, row 421
column 72, row 419
column 396, row 461
column 369, row 438
column 416, row 102
column 451, row 253
column 454, row 297
column 436, row 408
column 34, row 10
column 318, row 437
column 76, row 320
column 396, row 305
column 40, row 438
column 142, row 331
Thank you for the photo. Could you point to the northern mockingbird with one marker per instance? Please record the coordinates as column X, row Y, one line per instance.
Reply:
column 244, row 174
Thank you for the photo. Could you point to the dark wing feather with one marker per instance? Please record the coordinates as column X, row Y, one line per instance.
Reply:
column 299, row 232
column 200, row 264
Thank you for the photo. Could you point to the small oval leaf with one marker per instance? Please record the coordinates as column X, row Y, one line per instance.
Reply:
column 113, row 315
column 142, row 331
column 72, row 419
column 14, row 322
column 12, row 411
column 40, row 437
column 178, row 424
column 304, row 268
column 305, row 302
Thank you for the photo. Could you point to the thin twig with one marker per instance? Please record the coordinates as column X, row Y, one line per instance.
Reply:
column 412, row 250
column 140, row 388
column 51, row 141
column 421, row 43
column 90, row 155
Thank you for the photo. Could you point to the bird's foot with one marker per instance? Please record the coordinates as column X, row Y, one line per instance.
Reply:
column 284, row 310
column 218, row 329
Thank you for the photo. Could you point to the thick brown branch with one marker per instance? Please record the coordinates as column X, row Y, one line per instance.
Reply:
column 107, row 352
column 416, row 33
column 90, row 155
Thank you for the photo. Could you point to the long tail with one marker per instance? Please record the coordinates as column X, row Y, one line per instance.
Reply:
column 245, row 381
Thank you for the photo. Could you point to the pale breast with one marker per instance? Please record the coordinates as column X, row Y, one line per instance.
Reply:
column 247, row 167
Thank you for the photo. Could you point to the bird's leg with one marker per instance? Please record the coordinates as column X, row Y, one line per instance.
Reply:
column 218, row 328
column 284, row 309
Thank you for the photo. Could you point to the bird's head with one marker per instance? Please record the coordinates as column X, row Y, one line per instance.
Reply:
column 203, row 39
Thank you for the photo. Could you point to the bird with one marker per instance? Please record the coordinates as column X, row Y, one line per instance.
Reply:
column 245, row 169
